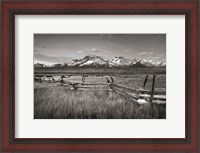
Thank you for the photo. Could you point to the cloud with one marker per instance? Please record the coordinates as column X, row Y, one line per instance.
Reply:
column 153, row 57
column 39, row 48
column 161, row 55
column 50, row 58
column 126, row 51
column 145, row 53
column 94, row 50
column 80, row 51
column 157, row 57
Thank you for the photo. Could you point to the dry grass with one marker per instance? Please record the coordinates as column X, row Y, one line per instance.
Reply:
column 58, row 102
column 99, row 70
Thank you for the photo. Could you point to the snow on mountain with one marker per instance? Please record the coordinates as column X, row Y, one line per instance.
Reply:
column 115, row 62
column 94, row 60
column 122, row 61
column 135, row 60
column 154, row 63
column 146, row 63
column 38, row 65
column 119, row 61
column 162, row 63
column 76, row 62
column 151, row 63
column 139, row 64
column 87, row 61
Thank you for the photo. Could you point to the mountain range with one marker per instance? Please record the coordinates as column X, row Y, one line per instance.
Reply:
column 115, row 62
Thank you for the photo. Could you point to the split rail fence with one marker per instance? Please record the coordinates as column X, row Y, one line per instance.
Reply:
column 139, row 96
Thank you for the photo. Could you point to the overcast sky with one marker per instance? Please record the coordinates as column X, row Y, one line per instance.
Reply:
column 61, row 48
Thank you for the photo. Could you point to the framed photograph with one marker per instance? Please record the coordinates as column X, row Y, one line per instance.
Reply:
column 100, row 76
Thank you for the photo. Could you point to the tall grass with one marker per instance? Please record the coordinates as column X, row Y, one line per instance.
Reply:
column 99, row 70
column 58, row 102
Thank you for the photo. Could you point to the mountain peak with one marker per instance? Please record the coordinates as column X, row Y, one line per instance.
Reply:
column 93, row 60
column 121, row 61
column 89, row 60
column 38, row 65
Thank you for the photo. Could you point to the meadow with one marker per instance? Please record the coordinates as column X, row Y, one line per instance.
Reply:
column 100, row 70
column 53, row 101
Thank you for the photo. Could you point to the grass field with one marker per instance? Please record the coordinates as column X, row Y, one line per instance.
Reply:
column 100, row 70
column 52, row 101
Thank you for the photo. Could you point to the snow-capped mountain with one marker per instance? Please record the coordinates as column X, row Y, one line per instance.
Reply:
column 122, row 61
column 162, row 63
column 115, row 62
column 94, row 60
column 88, row 61
column 38, row 65
column 151, row 63
column 144, row 62
column 155, row 63
column 78, row 62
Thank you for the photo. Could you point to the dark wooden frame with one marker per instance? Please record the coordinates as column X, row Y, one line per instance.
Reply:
column 187, row 144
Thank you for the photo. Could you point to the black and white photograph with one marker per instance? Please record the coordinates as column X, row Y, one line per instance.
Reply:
column 100, row 76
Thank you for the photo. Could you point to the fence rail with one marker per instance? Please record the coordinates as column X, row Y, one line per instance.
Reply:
column 139, row 95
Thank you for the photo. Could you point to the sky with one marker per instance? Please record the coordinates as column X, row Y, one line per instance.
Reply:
column 62, row 48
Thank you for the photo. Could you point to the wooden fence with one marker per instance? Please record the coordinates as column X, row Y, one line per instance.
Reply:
column 138, row 95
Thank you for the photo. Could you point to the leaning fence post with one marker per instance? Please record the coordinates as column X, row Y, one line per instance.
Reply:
column 151, row 99
column 112, row 79
column 145, row 80
column 52, row 78
column 108, row 81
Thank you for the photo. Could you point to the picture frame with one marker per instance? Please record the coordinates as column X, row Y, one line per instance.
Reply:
column 187, row 144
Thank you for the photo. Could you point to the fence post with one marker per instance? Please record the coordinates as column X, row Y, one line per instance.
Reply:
column 61, row 80
column 145, row 80
column 83, row 79
column 52, row 78
column 151, row 99
column 112, row 79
